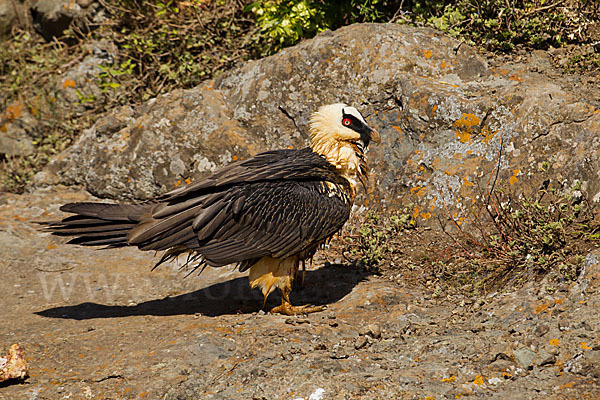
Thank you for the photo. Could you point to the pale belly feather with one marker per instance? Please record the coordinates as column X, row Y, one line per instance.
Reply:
column 270, row 273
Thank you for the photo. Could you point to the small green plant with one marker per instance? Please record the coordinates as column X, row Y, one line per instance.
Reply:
column 108, row 78
column 583, row 62
column 375, row 240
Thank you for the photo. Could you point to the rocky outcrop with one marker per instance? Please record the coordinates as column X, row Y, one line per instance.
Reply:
column 447, row 120
column 49, row 17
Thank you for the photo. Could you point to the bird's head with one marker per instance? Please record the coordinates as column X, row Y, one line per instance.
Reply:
column 340, row 134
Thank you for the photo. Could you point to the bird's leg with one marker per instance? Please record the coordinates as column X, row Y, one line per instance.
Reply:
column 286, row 308
column 300, row 285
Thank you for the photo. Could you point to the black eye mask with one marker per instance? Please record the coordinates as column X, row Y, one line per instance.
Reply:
column 350, row 121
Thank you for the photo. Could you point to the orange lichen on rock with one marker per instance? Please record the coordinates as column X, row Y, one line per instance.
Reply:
column 488, row 134
column 515, row 77
column 15, row 110
column 467, row 122
column 426, row 215
column 465, row 125
column 567, row 385
column 585, row 346
column 513, row 179
column 13, row 366
column 544, row 307
column 427, row 53
column 478, row 380
column 68, row 83
column 463, row 137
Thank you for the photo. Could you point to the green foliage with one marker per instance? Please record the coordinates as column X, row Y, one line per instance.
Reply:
column 497, row 25
column 376, row 237
column 160, row 46
column 501, row 25
column 27, row 65
column 24, row 65
column 283, row 23
column 176, row 43
column 109, row 76
column 583, row 62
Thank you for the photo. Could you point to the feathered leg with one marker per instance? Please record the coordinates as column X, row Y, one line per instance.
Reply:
column 269, row 274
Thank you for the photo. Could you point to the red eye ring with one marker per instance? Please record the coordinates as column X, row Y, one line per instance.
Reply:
column 346, row 122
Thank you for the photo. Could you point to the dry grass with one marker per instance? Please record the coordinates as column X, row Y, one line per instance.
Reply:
column 503, row 241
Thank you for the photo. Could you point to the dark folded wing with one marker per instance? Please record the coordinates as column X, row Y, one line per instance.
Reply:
column 278, row 219
column 274, row 165
column 251, row 220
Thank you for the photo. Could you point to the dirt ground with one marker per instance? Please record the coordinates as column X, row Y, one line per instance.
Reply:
column 101, row 325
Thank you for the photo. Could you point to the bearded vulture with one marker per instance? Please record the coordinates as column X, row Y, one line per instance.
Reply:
column 266, row 214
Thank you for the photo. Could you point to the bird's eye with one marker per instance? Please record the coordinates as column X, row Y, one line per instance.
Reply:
column 346, row 121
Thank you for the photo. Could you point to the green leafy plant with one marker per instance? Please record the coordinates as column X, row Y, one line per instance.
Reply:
column 282, row 23
column 375, row 239
column 500, row 25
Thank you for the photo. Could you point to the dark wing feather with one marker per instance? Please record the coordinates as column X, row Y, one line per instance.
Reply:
column 97, row 224
column 277, row 204
column 278, row 219
column 274, row 165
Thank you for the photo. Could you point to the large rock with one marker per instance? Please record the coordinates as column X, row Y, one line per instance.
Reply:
column 447, row 121
column 52, row 17
column 49, row 17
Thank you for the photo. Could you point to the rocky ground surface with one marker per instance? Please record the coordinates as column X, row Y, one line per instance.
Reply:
column 101, row 324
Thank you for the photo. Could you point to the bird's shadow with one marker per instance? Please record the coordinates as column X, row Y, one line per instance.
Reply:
column 321, row 287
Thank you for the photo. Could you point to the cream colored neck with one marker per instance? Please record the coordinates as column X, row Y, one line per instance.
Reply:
column 342, row 155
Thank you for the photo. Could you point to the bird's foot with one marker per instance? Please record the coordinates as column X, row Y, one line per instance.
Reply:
column 288, row 309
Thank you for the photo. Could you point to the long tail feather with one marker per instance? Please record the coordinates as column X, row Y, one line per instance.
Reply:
column 98, row 224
